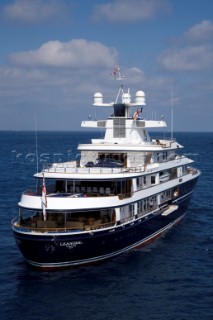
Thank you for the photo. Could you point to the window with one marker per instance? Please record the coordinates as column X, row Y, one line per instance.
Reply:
column 152, row 179
column 119, row 128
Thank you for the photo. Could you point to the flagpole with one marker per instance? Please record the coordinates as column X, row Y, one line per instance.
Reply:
column 36, row 143
column 44, row 199
column 172, row 112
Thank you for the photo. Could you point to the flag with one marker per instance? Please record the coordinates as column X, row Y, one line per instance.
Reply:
column 115, row 71
column 44, row 199
column 137, row 113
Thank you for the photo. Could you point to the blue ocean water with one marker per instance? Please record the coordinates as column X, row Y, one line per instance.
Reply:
column 170, row 279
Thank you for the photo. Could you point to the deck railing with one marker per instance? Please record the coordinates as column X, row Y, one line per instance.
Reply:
column 106, row 192
column 74, row 167
column 31, row 224
column 66, row 168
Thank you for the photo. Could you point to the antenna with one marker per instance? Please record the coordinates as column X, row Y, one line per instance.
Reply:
column 119, row 92
column 116, row 74
column 36, row 143
column 172, row 113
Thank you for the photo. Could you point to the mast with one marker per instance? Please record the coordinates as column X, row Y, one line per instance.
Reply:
column 172, row 112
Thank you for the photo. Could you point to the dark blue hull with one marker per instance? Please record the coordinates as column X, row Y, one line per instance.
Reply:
column 58, row 250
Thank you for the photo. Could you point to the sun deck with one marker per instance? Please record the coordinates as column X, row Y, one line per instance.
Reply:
column 73, row 167
column 130, row 145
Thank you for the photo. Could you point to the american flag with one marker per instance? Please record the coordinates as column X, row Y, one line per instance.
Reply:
column 115, row 71
column 137, row 113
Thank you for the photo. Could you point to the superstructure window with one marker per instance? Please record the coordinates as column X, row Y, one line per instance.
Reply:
column 119, row 130
column 119, row 110
column 152, row 179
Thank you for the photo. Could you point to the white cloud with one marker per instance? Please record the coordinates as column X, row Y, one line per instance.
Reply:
column 200, row 32
column 135, row 76
column 32, row 11
column 190, row 58
column 130, row 10
column 77, row 53
column 192, row 52
column 58, row 93
column 63, row 74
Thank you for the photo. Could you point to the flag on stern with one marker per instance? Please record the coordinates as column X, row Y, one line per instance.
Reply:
column 44, row 199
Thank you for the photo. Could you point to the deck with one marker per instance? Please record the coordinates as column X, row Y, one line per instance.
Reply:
column 33, row 224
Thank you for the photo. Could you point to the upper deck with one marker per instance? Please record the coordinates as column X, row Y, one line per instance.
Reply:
column 139, row 123
column 126, row 129
column 134, row 144
column 72, row 170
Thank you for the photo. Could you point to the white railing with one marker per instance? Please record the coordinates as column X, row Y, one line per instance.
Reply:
column 64, row 168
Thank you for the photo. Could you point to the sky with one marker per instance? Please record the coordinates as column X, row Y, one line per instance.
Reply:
column 55, row 54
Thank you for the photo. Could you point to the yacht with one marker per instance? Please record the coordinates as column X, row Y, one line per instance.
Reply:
column 126, row 190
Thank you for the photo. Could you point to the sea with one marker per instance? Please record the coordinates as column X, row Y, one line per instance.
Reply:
column 170, row 279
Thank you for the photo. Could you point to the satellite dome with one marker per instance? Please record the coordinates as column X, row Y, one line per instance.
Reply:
column 98, row 98
column 140, row 98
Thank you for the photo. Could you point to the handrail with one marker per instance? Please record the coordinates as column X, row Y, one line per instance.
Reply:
column 68, row 194
column 63, row 168
column 71, row 225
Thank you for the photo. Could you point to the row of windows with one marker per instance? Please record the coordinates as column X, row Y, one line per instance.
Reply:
column 163, row 176
column 145, row 205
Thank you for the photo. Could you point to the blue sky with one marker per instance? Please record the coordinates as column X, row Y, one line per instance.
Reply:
column 55, row 54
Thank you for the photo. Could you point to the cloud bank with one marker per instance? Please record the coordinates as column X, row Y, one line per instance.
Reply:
column 36, row 11
column 193, row 53
column 130, row 10
column 76, row 53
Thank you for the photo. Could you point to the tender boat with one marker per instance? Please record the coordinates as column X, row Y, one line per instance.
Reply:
column 124, row 192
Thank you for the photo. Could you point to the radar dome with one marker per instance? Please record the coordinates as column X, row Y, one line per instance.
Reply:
column 140, row 98
column 98, row 98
